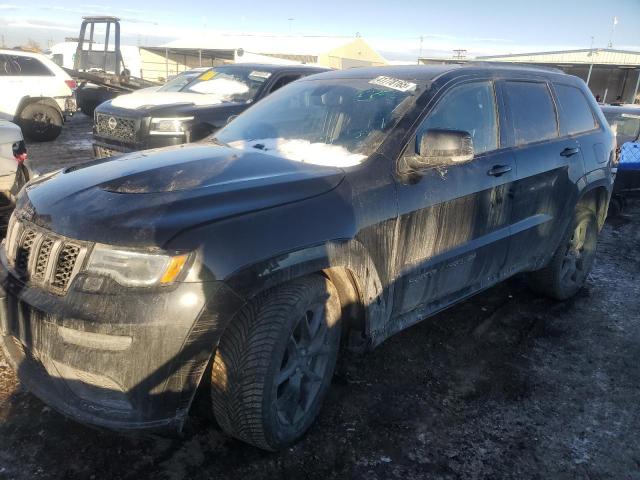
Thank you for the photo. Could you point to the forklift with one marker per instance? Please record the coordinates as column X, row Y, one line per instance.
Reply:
column 101, row 73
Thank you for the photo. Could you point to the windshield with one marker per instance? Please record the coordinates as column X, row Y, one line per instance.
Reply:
column 178, row 83
column 325, row 122
column 625, row 125
column 229, row 83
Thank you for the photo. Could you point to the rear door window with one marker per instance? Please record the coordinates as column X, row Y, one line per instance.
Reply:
column 533, row 114
column 470, row 108
column 29, row 67
column 576, row 115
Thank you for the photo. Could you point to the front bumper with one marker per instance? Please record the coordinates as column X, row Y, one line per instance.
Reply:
column 104, row 147
column 126, row 361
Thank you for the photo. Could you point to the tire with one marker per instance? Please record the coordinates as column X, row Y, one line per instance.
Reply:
column 88, row 108
column 567, row 271
column 267, row 385
column 41, row 122
column 616, row 206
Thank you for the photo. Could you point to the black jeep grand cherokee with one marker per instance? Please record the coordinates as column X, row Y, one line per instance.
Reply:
column 347, row 205
column 188, row 108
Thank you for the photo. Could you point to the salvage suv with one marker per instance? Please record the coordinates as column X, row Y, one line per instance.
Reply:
column 188, row 108
column 346, row 206
column 35, row 93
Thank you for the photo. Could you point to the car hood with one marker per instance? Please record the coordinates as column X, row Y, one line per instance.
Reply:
column 148, row 100
column 146, row 198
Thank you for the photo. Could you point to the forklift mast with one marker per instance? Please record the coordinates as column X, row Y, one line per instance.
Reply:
column 103, row 59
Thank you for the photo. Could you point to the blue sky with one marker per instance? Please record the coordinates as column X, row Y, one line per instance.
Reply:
column 480, row 26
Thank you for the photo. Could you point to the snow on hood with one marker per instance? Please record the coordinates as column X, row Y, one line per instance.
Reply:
column 303, row 151
column 212, row 95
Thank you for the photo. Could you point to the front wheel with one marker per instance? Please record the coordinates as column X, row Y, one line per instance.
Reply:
column 571, row 263
column 275, row 362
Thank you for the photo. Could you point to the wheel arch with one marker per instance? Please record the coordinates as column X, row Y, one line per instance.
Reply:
column 346, row 265
column 26, row 101
column 596, row 198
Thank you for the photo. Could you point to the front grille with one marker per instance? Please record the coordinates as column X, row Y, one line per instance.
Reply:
column 117, row 128
column 65, row 265
column 24, row 251
column 43, row 258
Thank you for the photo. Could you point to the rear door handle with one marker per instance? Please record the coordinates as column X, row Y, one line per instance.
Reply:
column 498, row 170
column 569, row 151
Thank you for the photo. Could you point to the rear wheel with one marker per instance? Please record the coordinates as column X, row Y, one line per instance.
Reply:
column 275, row 362
column 41, row 122
column 571, row 263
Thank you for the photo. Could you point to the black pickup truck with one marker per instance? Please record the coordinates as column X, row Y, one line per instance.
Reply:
column 161, row 117
column 350, row 204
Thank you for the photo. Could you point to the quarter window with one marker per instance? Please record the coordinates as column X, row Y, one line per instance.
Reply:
column 575, row 114
column 533, row 114
column 8, row 65
column 470, row 108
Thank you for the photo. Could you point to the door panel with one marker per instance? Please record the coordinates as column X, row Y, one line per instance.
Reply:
column 453, row 225
column 543, row 193
column 453, row 230
column 548, row 166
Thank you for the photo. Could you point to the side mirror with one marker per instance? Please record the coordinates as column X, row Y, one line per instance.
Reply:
column 439, row 147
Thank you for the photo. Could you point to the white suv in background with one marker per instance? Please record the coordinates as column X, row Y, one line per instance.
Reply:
column 35, row 93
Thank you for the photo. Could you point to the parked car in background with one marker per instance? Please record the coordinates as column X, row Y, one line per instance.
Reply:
column 35, row 93
column 13, row 171
column 188, row 108
column 350, row 204
column 625, row 121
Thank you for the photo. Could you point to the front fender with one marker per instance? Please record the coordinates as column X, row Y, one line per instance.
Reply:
column 348, row 254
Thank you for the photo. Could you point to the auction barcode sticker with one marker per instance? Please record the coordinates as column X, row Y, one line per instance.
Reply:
column 259, row 74
column 394, row 83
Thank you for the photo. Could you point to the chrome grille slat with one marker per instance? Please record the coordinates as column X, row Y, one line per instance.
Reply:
column 43, row 258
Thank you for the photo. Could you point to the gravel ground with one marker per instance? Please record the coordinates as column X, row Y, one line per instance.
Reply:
column 506, row 385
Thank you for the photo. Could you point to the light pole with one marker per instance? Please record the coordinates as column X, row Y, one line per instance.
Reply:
column 290, row 20
column 613, row 30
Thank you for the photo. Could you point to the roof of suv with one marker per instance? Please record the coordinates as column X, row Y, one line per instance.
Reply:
column 269, row 67
column 427, row 73
column 20, row 53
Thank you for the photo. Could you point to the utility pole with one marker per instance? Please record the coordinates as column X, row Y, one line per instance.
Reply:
column 290, row 24
column 613, row 30
column 420, row 56
column 591, row 65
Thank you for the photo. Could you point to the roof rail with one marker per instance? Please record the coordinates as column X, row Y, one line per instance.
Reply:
column 515, row 65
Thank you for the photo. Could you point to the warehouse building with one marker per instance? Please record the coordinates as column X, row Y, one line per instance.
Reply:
column 612, row 75
column 166, row 61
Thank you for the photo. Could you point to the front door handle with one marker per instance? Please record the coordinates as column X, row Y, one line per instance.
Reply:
column 498, row 170
column 569, row 151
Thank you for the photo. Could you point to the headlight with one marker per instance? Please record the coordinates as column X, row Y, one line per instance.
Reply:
column 135, row 269
column 169, row 126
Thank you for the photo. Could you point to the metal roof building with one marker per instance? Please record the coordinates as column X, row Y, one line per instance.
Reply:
column 334, row 52
column 612, row 75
